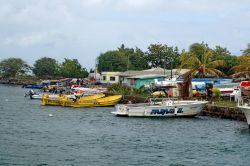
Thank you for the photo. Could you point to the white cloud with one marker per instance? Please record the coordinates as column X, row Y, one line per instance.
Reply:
column 91, row 3
column 24, row 41
column 83, row 29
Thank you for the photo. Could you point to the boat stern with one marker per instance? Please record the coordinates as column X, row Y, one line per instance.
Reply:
column 120, row 110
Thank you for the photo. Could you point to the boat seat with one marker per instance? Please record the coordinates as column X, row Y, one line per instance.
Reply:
column 168, row 102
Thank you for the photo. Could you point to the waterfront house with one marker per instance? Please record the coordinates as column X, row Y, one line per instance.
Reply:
column 109, row 77
column 145, row 80
column 125, row 77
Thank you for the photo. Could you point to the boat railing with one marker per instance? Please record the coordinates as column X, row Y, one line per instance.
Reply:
column 244, row 100
column 162, row 101
column 138, row 104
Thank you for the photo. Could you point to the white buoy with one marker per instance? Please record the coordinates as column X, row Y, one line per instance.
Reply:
column 50, row 115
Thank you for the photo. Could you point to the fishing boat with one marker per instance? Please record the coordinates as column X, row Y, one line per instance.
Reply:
column 33, row 86
column 90, row 91
column 161, row 107
column 52, row 99
column 245, row 88
column 101, row 102
column 246, row 110
column 69, row 101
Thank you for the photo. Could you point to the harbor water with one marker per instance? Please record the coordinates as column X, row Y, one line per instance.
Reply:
column 31, row 134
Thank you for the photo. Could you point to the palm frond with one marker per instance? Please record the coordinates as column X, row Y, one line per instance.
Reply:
column 243, row 68
column 216, row 63
column 215, row 72
column 189, row 61
column 242, row 73
column 208, row 56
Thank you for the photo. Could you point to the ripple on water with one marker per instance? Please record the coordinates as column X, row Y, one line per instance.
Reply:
column 93, row 136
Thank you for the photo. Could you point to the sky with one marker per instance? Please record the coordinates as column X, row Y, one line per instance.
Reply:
column 83, row 29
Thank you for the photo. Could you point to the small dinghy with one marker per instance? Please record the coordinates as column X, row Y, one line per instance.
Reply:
column 33, row 95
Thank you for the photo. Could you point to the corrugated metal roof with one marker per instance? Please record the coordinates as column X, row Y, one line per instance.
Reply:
column 159, row 71
column 147, row 76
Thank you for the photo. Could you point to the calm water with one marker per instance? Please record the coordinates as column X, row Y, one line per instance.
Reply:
column 93, row 136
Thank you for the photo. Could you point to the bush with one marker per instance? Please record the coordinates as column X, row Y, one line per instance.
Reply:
column 216, row 93
column 124, row 90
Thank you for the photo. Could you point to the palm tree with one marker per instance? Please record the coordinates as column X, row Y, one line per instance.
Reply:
column 247, row 50
column 200, row 64
column 243, row 69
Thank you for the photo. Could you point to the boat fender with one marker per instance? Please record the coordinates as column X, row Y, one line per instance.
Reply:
column 175, row 110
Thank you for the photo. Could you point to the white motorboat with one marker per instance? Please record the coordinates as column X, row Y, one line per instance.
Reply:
column 161, row 107
column 36, row 96
column 246, row 110
column 33, row 95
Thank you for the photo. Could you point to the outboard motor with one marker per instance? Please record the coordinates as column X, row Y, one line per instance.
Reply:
column 31, row 93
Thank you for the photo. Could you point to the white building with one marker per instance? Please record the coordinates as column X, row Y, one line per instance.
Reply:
column 109, row 77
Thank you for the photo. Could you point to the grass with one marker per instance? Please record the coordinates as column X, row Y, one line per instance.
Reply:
column 223, row 103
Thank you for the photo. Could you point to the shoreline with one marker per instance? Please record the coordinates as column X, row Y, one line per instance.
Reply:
column 17, row 81
column 210, row 110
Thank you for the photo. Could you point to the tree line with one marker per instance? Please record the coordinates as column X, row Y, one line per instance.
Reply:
column 164, row 56
column 43, row 68
column 199, row 57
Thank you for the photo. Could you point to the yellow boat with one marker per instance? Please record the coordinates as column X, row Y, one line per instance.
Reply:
column 68, row 102
column 101, row 102
column 54, row 100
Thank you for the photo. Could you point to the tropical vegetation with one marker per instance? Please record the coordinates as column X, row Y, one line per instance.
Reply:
column 203, row 61
column 247, row 50
column 163, row 56
column 12, row 67
column 72, row 68
column 243, row 68
column 46, row 67
column 200, row 60
column 122, row 59
column 125, row 90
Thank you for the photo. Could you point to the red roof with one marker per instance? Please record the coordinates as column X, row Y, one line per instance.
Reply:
column 245, row 83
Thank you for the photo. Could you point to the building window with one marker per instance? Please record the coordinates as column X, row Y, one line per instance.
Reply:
column 112, row 78
column 104, row 78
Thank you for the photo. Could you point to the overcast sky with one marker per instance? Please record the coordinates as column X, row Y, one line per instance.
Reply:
column 82, row 29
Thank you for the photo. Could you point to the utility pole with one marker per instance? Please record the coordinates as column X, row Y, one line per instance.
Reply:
column 171, row 76
column 95, row 67
column 128, row 63
column 164, row 66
